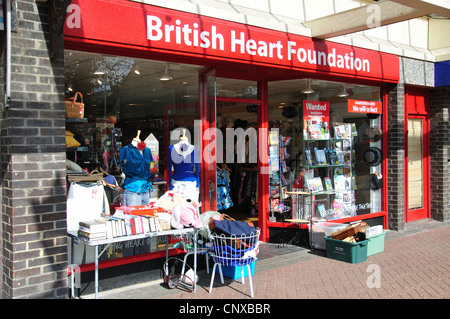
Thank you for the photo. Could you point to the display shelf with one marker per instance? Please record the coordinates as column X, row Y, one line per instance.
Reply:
column 77, row 149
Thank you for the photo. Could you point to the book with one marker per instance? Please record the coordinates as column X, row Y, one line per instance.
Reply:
column 274, row 191
column 273, row 137
column 320, row 156
column 315, row 184
column 308, row 158
column 321, row 209
column 275, row 204
column 93, row 225
column 332, row 157
column 92, row 236
column 328, row 184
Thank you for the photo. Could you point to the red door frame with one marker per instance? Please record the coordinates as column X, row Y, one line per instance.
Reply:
column 414, row 110
column 207, row 121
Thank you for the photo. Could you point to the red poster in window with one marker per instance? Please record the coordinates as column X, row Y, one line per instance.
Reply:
column 316, row 119
column 358, row 106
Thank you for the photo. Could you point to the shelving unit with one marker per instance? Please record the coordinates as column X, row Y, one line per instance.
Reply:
column 278, row 185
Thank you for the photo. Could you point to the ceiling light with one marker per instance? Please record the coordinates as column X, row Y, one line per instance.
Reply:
column 166, row 76
column 99, row 73
column 343, row 93
column 308, row 90
column 136, row 70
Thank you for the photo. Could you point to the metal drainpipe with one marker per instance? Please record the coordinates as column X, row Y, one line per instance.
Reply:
column 8, row 54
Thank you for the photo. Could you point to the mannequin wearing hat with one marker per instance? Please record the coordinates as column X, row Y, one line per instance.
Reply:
column 185, row 162
column 136, row 159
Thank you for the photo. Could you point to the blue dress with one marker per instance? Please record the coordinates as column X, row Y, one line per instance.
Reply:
column 136, row 167
column 185, row 168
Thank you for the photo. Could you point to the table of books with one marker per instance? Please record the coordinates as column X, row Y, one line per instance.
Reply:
column 96, row 243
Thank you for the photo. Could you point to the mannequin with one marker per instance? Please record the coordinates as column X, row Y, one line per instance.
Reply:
column 136, row 159
column 183, row 158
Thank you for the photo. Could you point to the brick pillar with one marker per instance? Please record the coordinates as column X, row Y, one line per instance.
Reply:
column 396, row 156
column 32, row 144
column 439, row 156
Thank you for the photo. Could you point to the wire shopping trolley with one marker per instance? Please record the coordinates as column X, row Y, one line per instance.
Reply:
column 232, row 250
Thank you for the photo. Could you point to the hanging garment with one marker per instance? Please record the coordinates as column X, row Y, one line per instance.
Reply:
column 223, row 190
column 84, row 202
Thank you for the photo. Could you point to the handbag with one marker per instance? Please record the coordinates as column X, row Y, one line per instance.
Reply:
column 74, row 109
column 70, row 140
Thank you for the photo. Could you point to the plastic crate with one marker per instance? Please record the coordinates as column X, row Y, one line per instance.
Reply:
column 376, row 244
column 234, row 272
column 344, row 251
column 322, row 230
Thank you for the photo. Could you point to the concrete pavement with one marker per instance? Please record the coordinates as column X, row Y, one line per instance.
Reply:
column 415, row 264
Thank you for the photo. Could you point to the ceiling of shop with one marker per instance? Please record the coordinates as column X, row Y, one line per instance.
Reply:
column 138, row 96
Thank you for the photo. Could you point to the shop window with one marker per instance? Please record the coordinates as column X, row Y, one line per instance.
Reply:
column 235, row 88
column 123, row 96
column 325, row 145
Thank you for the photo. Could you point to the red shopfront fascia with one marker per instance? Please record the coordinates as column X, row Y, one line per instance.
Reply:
column 139, row 30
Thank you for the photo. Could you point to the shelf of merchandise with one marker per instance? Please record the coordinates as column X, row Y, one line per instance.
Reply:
column 281, row 187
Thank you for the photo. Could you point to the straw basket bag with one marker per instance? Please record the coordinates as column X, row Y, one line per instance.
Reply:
column 74, row 109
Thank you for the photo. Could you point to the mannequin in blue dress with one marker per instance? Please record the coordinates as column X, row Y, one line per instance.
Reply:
column 185, row 162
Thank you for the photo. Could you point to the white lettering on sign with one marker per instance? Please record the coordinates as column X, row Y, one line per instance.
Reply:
column 187, row 35
column 208, row 37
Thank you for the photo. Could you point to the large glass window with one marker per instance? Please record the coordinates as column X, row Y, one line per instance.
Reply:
column 324, row 149
column 124, row 97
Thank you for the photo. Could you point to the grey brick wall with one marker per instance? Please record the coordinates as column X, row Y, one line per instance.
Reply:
column 439, row 156
column 32, row 145
column 396, row 156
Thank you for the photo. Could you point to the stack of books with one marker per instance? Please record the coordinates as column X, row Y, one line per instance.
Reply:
column 92, row 230
column 118, row 225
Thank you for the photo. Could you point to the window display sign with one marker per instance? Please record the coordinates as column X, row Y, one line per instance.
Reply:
column 316, row 119
column 358, row 106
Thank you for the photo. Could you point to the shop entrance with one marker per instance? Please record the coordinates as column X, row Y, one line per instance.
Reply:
column 230, row 146
column 417, row 161
column 237, row 173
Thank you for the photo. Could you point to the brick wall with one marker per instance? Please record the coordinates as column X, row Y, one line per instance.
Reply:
column 439, row 159
column 32, row 144
column 396, row 155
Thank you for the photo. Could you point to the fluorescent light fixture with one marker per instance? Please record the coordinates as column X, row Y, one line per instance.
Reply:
column 99, row 72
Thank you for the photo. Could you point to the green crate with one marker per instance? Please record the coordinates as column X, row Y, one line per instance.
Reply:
column 344, row 251
column 376, row 244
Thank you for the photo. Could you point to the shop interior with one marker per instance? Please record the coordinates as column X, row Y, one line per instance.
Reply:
column 125, row 95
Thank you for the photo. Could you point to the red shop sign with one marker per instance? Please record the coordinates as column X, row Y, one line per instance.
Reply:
column 120, row 23
column 358, row 106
